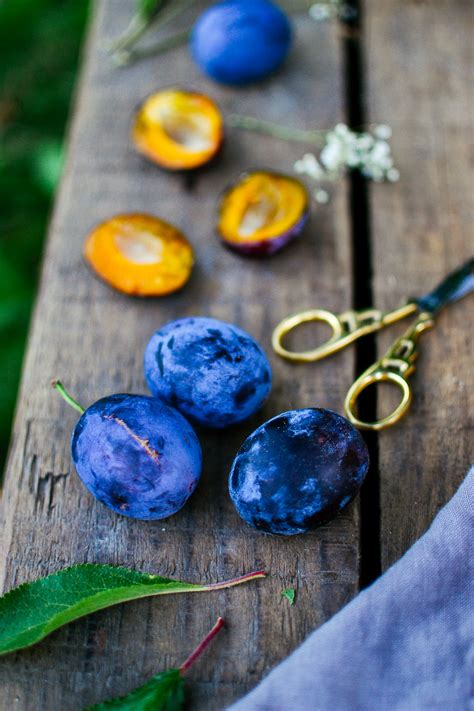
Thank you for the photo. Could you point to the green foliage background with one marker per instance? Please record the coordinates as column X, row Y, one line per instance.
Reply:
column 40, row 42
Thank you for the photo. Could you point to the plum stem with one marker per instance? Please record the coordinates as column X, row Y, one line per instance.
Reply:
column 124, row 57
column 202, row 646
column 286, row 133
column 236, row 581
column 140, row 24
column 57, row 385
column 137, row 27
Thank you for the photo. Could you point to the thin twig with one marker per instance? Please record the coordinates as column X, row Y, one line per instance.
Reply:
column 138, row 26
column 125, row 57
column 286, row 133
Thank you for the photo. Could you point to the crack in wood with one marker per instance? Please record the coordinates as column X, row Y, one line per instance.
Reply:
column 46, row 485
column 362, row 270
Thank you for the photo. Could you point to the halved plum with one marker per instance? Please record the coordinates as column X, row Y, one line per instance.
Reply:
column 140, row 254
column 178, row 130
column 262, row 212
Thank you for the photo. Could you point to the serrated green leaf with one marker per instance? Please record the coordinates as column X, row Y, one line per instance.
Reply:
column 33, row 610
column 163, row 692
column 289, row 594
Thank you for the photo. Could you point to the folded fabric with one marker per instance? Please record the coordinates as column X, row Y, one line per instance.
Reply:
column 403, row 644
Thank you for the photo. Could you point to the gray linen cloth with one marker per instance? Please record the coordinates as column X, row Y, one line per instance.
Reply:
column 403, row 644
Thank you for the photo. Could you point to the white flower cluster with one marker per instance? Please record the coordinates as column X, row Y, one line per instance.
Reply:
column 344, row 149
column 331, row 10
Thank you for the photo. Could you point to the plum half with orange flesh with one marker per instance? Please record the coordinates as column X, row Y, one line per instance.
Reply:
column 140, row 254
column 262, row 212
column 178, row 130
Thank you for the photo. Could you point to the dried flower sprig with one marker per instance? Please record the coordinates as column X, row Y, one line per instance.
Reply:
column 332, row 10
column 342, row 149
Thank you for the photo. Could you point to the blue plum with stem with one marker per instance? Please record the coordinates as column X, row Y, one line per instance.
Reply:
column 136, row 455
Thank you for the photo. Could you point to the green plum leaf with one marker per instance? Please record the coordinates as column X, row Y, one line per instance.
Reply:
column 33, row 610
column 163, row 692
column 289, row 594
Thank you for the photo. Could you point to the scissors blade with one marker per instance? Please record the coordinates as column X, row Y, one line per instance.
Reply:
column 456, row 285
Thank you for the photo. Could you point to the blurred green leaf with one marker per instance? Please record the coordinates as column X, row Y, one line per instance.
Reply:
column 40, row 41
column 47, row 163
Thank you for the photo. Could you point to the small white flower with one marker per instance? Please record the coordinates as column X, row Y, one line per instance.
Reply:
column 386, row 163
column 383, row 131
column 380, row 150
column 365, row 141
column 349, row 139
column 352, row 159
column 332, row 156
column 331, row 10
column 369, row 153
column 313, row 168
column 309, row 165
column 299, row 166
column 321, row 196
column 373, row 172
column 319, row 12
column 341, row 130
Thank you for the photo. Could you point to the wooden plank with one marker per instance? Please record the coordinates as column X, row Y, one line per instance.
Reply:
column 419, row 61
column 94, row 338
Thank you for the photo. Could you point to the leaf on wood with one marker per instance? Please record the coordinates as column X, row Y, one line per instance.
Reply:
column 33, row 610
column 289, row 594
column 163, row 692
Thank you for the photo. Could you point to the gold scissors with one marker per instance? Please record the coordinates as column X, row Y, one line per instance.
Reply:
column 398, row 363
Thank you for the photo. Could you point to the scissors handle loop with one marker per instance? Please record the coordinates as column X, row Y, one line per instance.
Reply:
column 346, row 327
column 395, row 367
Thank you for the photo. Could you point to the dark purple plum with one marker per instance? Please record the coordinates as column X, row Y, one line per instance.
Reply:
column 297, row 470
column 137, row 455
column 211, row 371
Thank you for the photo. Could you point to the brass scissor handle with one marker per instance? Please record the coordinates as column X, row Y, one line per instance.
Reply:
column 346, row 328
column 291, row 322
column 395, row 367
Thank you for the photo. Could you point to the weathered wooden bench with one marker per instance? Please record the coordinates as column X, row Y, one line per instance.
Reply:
column 410, row 67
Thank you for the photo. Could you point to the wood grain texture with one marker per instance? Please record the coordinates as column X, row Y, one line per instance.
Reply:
column 419, row 64
column 93, row 339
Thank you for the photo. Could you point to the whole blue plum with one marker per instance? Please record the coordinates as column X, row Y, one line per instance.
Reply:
column 298, row 470
column 137, row 455
column 211, row 371
column 239, row 42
